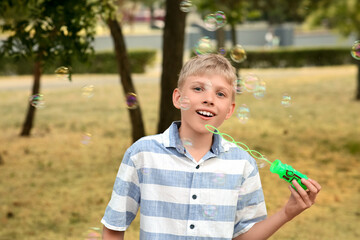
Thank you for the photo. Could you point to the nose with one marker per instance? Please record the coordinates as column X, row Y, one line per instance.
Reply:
column 208, row 99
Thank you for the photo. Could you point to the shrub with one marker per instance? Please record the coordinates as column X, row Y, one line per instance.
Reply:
column 100, row 62
column 295, row 57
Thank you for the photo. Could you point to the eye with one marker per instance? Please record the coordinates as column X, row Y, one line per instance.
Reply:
column 197, row 89
column 221, row 94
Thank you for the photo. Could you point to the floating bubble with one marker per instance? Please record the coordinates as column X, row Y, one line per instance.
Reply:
column 220, row 19
column 238, row 54
column 355, row 50
column 187, row 142
column 250, row 82
column 260, row 90
column 261, row 163
column 222, row 51
column 218, row 179
column 37, row 100
column 210, row 22
column 185, row 103
column 210, row 211
column 131, row 101
column 203, row 46
column 63, row 73
column 93, row 234
column 208, row 85
column 286, row 100
column 243, row 113
column 87, row 91
column 238, row 86
column 185, row 6
column 86, row 139
column 145, row 171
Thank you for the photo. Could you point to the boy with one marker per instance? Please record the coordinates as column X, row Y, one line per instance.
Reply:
column 189, row 182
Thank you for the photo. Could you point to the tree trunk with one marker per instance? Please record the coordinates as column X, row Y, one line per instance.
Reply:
column 173, row 51
column 138, row 129
column 358, row 83
column 233, row 34
column 220, row 37
column 30, row 115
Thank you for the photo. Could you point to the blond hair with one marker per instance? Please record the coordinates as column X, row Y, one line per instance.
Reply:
column 207, row 64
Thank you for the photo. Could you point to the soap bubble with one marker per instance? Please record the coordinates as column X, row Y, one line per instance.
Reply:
column 222, row 51
column 250, row 82
column 210, row 22
column 209, row 211
column 208, row 85
column 286, row 100
column 214, row 21
column 187, row 142
column 260, row 90
column 218, row 179
column 185, row 6
column 63, row 73
column 87, row 91
column 86, row 138
column 203, row 46
column 146, row 171
column 37, row 100
column 261, row 163
column 238, row 86
column 93, row 234
column 243, row 113
column 355, row 50
column 185, row 103
column 131, row 101
column 220, row 19
column 238, row 54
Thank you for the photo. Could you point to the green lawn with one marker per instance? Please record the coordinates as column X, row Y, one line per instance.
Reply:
column 53, row 186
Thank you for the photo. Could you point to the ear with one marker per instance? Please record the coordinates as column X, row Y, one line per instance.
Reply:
column 176, row 97
column 231, row 110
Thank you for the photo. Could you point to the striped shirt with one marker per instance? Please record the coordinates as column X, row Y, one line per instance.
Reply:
column 217, row 198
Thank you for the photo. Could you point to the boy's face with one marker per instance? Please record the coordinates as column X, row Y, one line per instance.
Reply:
column 204, row 100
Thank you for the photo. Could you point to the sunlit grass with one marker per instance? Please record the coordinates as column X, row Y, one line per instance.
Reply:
column 52, row 186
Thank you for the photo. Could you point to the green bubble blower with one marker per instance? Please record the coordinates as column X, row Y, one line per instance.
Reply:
column 286, row 172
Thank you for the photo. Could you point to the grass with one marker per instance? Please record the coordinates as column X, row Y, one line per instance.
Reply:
column 52, row 186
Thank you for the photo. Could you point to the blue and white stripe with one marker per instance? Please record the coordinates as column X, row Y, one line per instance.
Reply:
column 220, row 199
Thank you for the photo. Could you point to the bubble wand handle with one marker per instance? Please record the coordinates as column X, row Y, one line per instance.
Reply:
column 288, row 173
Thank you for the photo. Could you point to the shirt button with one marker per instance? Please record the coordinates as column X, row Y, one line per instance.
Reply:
column 192, row 226
column 198, row 166
column 194, row 196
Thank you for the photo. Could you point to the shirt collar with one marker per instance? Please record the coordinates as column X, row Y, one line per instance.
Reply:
column 171, row 138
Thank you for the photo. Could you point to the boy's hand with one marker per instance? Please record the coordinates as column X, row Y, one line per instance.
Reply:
column 301, row 199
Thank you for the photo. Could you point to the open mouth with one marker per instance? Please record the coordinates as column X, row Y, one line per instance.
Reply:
column 205, row 113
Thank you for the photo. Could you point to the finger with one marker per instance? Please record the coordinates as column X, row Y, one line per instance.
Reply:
column 304, row 195
column 297, row 197
column 316, row 184
column 312, row 189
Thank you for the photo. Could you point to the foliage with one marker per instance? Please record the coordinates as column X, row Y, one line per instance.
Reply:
column 100, row 62
column 42, row 30
column 340, row 15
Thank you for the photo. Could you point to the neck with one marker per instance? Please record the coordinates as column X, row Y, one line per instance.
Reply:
column 200, row 142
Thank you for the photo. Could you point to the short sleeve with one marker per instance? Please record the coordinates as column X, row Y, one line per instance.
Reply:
column 251, row 206
column 125, row 198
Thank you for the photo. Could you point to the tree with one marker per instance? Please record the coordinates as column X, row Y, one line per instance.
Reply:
column 173, row 50
column 43, row 30
column 340, row 15
column 138, row 129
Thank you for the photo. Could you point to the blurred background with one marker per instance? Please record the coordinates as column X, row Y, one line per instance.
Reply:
column 80, row 81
